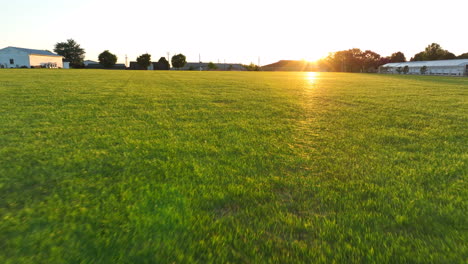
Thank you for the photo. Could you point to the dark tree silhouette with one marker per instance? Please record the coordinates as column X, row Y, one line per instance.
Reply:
column 144, row 60
column 252, row 67
column 71, row 51
column 433, row 52
column 178, row 61
column 107, row 59
column 370, row 61
column 463, row 56
column 212, row 66
column 352, row 60
column 398, row 57
column 163, row 64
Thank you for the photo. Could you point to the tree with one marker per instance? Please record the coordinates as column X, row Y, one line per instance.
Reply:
column 399, row 70
column 163, row 64
column 463, row 56
column 144, row 60
column 71, row 51
column 448, row 56
column 343, row 61
column 418, row 56
column 251, row 67
column 433, row 52
column 423, row 70
column 178, row 61
column 406, row 69
column 212, row 66
column 384, row 60
column 107, row 59
column 352, row 60
column 370, row 61
column 398, row 57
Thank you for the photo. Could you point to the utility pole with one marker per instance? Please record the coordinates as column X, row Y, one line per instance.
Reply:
column 168, row 59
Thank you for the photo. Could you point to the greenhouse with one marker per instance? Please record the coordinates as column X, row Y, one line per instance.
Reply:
column 439, row 67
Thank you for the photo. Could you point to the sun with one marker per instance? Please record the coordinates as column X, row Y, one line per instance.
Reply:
column 314, row 57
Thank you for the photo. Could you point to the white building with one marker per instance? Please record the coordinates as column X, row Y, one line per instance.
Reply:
column 13, row 57
column 439, row 67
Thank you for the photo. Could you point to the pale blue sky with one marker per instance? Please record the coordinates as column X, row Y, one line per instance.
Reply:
column 236, row 31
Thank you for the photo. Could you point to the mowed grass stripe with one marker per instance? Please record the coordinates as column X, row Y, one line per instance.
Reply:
column 217, row 167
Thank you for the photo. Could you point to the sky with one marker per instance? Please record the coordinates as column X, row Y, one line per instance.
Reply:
column 241, row 31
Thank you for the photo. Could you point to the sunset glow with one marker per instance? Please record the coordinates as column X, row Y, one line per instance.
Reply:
column 238, row 32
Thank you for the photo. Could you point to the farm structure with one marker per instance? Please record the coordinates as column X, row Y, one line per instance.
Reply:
column 203, row 66
column 457, row 67
column 190, row 66
column 13, row 57
column 90, row 64
column 135, row 66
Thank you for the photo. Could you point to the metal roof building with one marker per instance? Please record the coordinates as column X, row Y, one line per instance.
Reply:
column 458, row 67
column 34, row 51
column 14, row 57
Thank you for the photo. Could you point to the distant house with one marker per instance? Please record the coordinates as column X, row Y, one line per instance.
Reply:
column 159, row 66
column 203, row 66
column 14, row 57
column 117, row 66
column 89, row 62
column 135, row 66
column 190, row 66
column 457, row 67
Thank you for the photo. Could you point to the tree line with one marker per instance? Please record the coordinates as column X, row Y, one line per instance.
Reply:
column 351, row 60
column 356, row 60
column 435, row 52
column 74, row 53
column 178, row 61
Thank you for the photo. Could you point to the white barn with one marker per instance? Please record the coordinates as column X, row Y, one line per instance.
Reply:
column 457, row 67
column 13, row 57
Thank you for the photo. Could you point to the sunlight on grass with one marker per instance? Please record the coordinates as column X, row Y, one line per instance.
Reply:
column 231, row 167
column 312, row 77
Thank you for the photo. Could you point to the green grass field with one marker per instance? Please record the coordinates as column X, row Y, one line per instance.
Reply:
column 232, row 167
